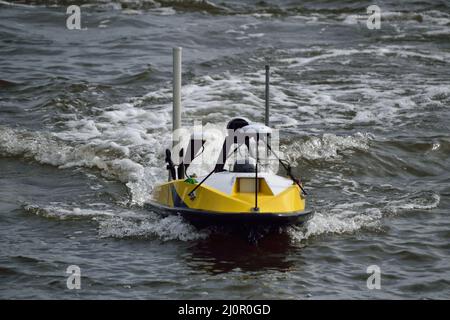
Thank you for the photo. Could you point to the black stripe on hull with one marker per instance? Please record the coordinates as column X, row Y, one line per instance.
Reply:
column 200, row 217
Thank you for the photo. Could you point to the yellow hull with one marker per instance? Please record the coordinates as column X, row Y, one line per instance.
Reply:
column 175, row 194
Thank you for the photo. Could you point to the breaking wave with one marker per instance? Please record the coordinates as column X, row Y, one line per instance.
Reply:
column 108, row 157
column 354, row 216
column 165, row 229
column 115, row 222
column 326, row 147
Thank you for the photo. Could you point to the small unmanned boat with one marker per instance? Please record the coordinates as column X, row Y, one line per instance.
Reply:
column 243, row 194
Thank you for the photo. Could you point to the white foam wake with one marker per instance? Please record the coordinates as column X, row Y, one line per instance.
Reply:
column 353, row 216
column 165, row 229
column 117, row 222
column 326, row 147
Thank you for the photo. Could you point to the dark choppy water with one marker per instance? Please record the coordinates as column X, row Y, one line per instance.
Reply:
column 364, row 115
